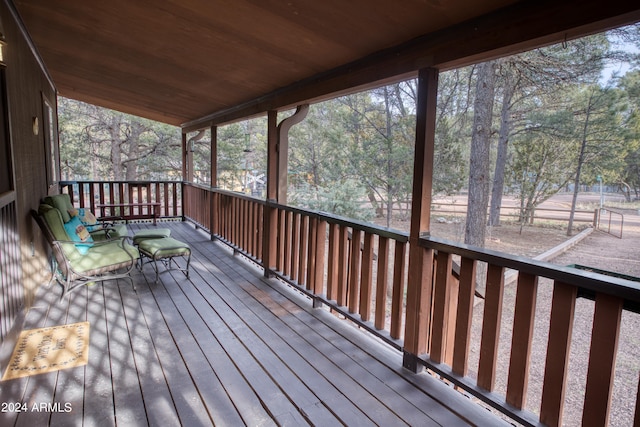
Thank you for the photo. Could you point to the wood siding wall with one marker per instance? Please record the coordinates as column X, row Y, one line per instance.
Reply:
column 27, row 85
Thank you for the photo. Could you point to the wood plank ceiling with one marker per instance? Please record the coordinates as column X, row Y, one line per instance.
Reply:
column 177, row 61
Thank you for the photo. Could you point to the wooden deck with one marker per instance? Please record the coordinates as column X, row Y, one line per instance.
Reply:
column 226, row 347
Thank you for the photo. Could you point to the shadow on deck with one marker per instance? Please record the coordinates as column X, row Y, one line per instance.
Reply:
column 225, row 347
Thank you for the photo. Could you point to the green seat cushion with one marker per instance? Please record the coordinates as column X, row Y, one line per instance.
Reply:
column 104, row 255
column 164, row 248
column 157, row 233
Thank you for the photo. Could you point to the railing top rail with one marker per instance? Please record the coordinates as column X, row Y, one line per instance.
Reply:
column 589, row 282
column 225, row 192
column 80, row 181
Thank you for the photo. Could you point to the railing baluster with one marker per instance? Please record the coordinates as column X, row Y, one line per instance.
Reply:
column 464, row 315
column 254, row 228
column 260, row 230
column 397, row 301
column 111, row 195
column 366, row 283
column 343, row 257
column 81, row 195
column 295, row 247
column 311, row 265
column 602, row 359
column 244, row 224
column 491, row 327
column 288, row 217
column 334, row 262
column 382, row 282
column 304, row 243
column 523, row 322
column 354, row 270
column 321, row 239
column 283, row 243
column 563, row 308
column 441, row 305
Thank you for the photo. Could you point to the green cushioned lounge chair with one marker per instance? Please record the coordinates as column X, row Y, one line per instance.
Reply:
column 75, row 263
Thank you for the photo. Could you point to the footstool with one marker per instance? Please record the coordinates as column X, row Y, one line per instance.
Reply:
column 157, row 233
column 164, row 249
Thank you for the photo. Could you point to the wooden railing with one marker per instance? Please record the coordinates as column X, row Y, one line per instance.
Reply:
column 357, row 269
column 360, row 271
column 90, row 194
column 452, row 323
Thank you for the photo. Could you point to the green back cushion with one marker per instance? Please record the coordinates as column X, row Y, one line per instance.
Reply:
column 62, row 202
column 53, row 218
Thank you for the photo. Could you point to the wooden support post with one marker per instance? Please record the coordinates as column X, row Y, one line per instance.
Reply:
column 277, row 161
column 185, row 159
column 186, row 177
column 283, row 150
column 214, row 220
column 270, row 220
column 214, row 156
column 421, row 260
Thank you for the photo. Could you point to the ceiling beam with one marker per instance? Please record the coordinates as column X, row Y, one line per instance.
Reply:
column 514, row 29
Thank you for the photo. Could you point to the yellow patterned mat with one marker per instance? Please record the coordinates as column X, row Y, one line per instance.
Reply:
column 49, row 349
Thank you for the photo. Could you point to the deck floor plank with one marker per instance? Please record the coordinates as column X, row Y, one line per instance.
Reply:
column 211, row 391
column 262, row 307
column 189, row 406
column 231, row 378
column 334, row 398
column 70, row 387
column 158, row 402
column 266, row 374
column 41, row 388
column 127, row 393
column 224, row 347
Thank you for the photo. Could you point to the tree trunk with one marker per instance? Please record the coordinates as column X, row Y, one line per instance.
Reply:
column 390, row 171
column 116, row 151
column 479, row 170
column 576, row 186
column 497, row 189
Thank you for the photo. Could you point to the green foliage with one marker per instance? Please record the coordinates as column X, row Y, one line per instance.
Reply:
column 343, row 198
column 542, row 160
column 97, row 143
